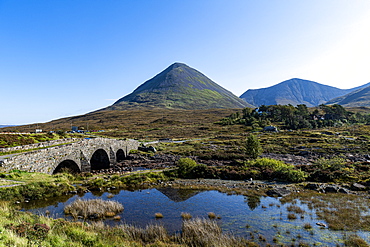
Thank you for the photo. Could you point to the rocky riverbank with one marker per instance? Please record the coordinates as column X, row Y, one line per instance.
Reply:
column 160, row 161
column 273, row 188
column 269, row 188
column 307, row 158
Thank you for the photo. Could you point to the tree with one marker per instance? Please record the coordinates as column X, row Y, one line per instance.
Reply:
column 253, row 147
column 302, row 111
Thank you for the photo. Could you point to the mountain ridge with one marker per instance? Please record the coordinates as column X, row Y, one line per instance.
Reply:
column 295, row 91
column 356, row 98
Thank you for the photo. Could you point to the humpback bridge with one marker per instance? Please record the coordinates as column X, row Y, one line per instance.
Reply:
column 81, row 156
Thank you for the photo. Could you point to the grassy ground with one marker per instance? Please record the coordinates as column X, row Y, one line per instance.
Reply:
column 13, row 140
column 349, row 139
column 33, row 185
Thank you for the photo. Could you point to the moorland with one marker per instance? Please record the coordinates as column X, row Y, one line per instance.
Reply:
column 322, row 152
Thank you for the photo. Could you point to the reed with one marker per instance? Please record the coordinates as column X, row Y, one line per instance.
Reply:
column 149, row 234
column 93, row 209
column 206, row 233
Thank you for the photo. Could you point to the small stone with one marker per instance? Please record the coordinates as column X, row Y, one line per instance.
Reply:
column 321, row 224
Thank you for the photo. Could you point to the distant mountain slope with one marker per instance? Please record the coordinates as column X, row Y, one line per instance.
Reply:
column 4, row 126
column 179, row 86
column 357, row 98
column 294, row 91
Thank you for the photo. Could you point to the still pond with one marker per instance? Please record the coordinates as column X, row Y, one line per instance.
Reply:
column 240, row 215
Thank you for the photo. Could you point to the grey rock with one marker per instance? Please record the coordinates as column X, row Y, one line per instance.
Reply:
column 278, row 192
column 343, row 190
column 331, row 189
column 358, row 187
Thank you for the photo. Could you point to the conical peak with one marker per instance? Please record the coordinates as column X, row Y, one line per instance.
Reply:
column 180, row 86
column 176, row 65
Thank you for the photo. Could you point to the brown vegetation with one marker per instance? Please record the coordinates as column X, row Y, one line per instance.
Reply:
column 201, row 232
column 93, row 209
column 144, row 123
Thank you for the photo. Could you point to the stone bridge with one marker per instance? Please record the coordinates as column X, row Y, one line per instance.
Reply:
column 81, row 156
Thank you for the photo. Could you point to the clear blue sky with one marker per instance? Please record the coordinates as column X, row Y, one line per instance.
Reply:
column 63, row 58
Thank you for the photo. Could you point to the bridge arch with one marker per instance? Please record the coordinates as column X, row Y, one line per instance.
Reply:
column 100, row 160
column 120, row 155
column 69, row 165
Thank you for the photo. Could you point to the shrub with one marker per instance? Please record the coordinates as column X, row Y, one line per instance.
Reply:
column 185, row 166
column 334, row 170
column 277, row 169
column 188, row 168
column 33, row 232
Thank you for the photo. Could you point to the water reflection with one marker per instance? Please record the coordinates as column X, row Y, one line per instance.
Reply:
column 252, row 201
column 178, row 195
column 41, row 203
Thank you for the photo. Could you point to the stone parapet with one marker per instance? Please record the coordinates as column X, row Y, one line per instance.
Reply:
column 38, row 145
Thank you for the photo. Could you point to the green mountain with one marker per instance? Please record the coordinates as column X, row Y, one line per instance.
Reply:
column 294, row 91
column 357, row 98
column 179, row 87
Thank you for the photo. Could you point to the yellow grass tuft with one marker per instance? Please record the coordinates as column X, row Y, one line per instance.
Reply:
column 186, row 216
column 158, row 215
column 212, row 215
column 110, row 214
column 117, row 217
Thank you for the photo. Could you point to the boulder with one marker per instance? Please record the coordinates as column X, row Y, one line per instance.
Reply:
column 343, row 190
column 278, row 192
column 331, row 189
column 270, row 128
column 314, row 186
column 358, row 187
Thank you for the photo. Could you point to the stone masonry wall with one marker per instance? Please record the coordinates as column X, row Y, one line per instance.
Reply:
column 46, row 160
